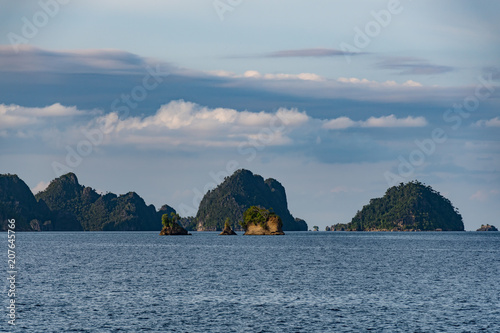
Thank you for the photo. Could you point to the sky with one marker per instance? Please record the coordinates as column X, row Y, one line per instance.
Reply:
column 337, row 100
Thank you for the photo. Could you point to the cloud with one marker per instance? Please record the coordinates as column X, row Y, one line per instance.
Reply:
column 353, row 80
column 189, row 124
column 375, row 122
column 495, row 122
column 15, row 116
column 181, row 124
column 340, row 123
column 251, row 74
column 40, row 187
column 32, row 59
column 413, row 66
column 302, row 53
column 392, row 121
column 313, row 52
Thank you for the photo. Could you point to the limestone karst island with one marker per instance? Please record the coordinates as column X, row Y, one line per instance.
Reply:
column 242, row 202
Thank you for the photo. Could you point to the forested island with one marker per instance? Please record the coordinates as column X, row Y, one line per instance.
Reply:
column 407, row 207
column 235, row 195
column 65, row 205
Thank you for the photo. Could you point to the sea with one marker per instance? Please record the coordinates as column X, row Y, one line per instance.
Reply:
column 300, row 282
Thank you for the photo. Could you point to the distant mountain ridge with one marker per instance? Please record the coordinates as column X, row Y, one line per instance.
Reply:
column 235, row 195
column 65, row 205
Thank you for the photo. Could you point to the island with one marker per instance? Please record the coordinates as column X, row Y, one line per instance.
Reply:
column 228, row 231
column 261, row 221
column 406, row 207
column 487, row 227
column 66, row 205
column 171, row 227
column 235, row 195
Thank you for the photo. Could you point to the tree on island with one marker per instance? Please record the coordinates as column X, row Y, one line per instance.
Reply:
column 261, row 221
column 169, row 221
column 256, row 215
column 315, row 228
column 227, row 228
column 227, row 223
column 170, row 225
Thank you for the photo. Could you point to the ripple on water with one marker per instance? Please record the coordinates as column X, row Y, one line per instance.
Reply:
column 301, row 282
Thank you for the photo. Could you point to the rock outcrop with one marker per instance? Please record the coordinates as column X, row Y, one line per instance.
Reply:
column 174, row 230
column 239, row 192
column 18, row 202
column 228, row 231
column 260, row 221
column 271, row 227
column 487, row 227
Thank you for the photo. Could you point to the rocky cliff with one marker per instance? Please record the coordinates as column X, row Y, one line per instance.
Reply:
column 17, row 202
column 93, row 211
column 271, row 227
column 239, row 192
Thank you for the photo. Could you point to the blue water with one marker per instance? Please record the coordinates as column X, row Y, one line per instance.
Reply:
column 300, row 282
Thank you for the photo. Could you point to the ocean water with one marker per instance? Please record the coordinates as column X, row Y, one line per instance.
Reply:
column 300, row 282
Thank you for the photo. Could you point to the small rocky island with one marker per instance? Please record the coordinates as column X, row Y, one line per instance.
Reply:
column 487, row 227
column 261, row 221
column 407, row 207
column 227, row 229
column 171, row 227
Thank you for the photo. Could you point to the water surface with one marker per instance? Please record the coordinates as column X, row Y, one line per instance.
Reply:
column 300, row 282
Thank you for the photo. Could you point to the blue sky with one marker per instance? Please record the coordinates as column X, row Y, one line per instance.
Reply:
column 335, row 99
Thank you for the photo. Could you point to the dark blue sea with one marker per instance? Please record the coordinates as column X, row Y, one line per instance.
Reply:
column 300, row 282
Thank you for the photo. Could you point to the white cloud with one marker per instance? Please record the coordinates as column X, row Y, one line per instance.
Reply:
column 354, row 80
column 495, row 122
column 189, row 124
column 392, row 121
column 40, row 187
column 251, row 74
column 339, row 123
column 15, row 116
column 384, row 121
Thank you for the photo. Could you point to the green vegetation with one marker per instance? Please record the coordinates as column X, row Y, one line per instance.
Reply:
column 315, row 228
column 94, row 212
column 411, row 206
column 170, row 226
column 238, row 193
column 227, row 223
column 18, row 203
column 169, row 221
column 258, row 216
